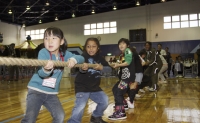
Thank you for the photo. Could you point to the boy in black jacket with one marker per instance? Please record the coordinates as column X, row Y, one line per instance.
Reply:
column 154, row 64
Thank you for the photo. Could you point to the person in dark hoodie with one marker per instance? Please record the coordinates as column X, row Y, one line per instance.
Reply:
column 154, row 64
column 87, row 84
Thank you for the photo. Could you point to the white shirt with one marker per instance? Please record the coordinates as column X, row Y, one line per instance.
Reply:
column 163, row 52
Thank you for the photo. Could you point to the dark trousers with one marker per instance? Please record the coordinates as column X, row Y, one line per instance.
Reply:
column 153, row 74
column 3, row 67
column 119, row 94
column 169, row 69
column 132, row 93
column 198, row 68
column 146, row 81
column 12, row 70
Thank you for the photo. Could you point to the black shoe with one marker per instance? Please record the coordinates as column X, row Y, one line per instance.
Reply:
column 97, row 120
column 118, row 115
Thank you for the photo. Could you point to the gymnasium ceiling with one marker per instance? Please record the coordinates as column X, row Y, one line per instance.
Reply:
column 62, row 9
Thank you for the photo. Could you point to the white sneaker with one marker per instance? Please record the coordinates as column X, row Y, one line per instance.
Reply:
column 164, row 82
column 130, row 105
column 137, row 95
column 180, row 76
column 141, row 90
column 152, row 90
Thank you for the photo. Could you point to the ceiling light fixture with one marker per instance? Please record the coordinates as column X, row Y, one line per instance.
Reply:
column 138, row 3
column 114, row 6
column 47, row 3
column 73, row 15
column 93, row 10
column 23, row 25
column 56, row 18
column 27, row 8
column 9, row 12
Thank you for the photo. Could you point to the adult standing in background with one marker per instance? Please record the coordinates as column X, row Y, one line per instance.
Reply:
column 198, row 54
column 14, row 68
column 168, row 59
column 154, row 64
column 3, row 53
column 161, row 51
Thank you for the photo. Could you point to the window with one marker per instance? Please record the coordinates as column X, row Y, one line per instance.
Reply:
column 167, row 22
column 175, row 25
column 175, row 18
column 193, row 20
column 175, row 21
column 193, row 16
column 167, row 26
column 99, row 25
column 36, row 34
column 93, row 26
column 86, row 32
column 184, row 21
column 199, row 19
column 100, row 28
column 181, row 21
column 167, row 19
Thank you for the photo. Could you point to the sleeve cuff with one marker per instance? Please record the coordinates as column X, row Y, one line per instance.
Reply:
column 46, row 72
column 82, row 71
column 73, row 59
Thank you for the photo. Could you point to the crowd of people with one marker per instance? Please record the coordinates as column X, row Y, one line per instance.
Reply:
column 136, row 72
column 13, row 71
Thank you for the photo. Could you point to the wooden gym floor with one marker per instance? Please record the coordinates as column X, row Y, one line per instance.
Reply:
column 175, row 102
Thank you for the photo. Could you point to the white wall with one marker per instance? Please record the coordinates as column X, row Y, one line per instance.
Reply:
column 178, row 7
column 149, row 17
column 12, row 33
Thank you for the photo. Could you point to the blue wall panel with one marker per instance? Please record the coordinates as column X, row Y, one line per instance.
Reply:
column 175, row 47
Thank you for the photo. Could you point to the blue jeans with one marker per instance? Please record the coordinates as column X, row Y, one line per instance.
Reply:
column 34, row 102
column 81, row 100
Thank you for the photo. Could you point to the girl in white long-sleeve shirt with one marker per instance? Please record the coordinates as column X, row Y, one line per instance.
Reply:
column 163, row 70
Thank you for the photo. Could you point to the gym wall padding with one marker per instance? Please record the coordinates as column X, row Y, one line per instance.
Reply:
column 175, row 47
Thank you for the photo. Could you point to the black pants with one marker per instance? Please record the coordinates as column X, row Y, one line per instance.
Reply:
column 152, row 72
column 198, row 68
column 3, row 70
column 12, row 70
column 132, row 93
column 119, row 94
column 146, row 81
column 169, row 69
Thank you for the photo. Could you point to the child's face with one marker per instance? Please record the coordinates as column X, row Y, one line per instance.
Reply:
column 143, row 56
column 52, row 43
column 91, row 48
column 122, row 46
column 147, row 46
